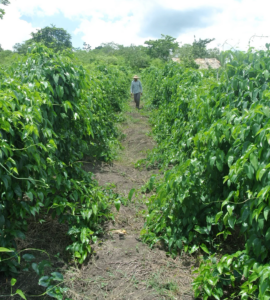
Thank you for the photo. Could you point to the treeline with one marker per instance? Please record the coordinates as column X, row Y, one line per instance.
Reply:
column 153, row 52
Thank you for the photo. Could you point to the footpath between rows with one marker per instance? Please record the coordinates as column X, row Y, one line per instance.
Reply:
column 124, row 267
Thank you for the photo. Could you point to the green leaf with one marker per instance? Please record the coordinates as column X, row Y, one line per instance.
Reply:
column 266, row 74
column 5, row 180
column 229, row 261
column 130, row 194
column 193, row 249
column 28, row 257
column 219, row 164
column 230, row 160
column 117, row 204
column 56, row 78
column 264, row 286
column 204, row 248
column 215, row 294
column 77, row 254
column 207, row 288
column 231, row 221
column 42, row 265
column 35, row 268
column 264, row 191
column 218, row 215
column 249, row 171
column 57, row 276
column 13, row 281
column 20, row 293
column 260, row 174
column 53, row 291
column 44, row 281
column 230, row 209
column 220, row 268
column 2, row 249
column 261, row 223
column 212, row 160
column 94, row 208
column 40, row 195
column 254, row 161
column 267, row 235
column 266, row 212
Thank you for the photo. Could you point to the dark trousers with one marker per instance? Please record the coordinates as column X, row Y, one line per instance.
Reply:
column 137, row 98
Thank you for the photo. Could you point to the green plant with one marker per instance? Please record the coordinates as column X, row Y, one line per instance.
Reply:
column 53, row 113
column 52, row 283
column 215, row 196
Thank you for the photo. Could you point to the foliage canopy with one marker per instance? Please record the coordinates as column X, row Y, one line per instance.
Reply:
column 53, row 112
column 215, row 198
column 52, row 37
column 161, row 48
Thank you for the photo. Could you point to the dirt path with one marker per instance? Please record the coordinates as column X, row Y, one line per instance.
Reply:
column 124, row 267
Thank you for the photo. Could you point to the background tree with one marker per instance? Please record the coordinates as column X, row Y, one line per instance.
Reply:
column 86, row 47
column 189, row 52
column 199, row 48
column 52, row 37
column 2, row 12
column 21, row 48
column 108, row 48
column 161, row 48
column 135, row 56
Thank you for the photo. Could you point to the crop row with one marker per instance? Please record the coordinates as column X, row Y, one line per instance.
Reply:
column 53, row 113
column 212, row 129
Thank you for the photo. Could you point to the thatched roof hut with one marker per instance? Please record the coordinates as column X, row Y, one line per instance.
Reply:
column 204, row 63
column 207, row 63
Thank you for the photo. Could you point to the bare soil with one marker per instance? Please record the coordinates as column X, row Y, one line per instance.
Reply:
column 122, row 267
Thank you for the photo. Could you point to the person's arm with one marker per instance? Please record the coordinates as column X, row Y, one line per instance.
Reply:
column 141, row 87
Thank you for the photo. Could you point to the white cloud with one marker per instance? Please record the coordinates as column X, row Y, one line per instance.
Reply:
column 12, row 29
column 122, row 20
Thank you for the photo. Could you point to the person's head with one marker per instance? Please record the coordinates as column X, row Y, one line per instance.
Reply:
column 135, row 78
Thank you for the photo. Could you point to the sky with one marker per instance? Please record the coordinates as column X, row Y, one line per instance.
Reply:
column 233, row 23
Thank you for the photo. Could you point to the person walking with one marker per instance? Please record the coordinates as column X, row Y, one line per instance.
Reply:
column 136, row 90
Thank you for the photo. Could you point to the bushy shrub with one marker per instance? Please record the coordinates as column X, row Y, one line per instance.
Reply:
column 217, row 135
column 52, row 113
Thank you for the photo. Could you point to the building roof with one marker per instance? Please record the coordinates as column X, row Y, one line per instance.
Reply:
column 204, row 63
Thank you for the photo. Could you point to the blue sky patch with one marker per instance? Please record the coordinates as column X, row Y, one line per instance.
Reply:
column 60, row 21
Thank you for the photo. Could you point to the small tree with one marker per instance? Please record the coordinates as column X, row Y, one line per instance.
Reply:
column 52, row 37
column 135, row 56
column 199, row 48
column 161, row 48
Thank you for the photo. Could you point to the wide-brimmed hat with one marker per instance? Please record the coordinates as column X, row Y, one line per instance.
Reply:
column 135, row 76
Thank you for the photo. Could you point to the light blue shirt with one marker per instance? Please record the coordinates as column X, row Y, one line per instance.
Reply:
column 136, row 87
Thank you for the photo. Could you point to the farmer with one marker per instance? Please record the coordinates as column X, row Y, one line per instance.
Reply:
column 136, row 90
